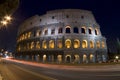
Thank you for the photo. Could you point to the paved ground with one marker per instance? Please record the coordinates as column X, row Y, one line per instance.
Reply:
column 22, row 70
column 112, row 67
column 0, row 77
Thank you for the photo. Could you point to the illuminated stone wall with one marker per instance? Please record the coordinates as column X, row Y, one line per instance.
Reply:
column 66, row 35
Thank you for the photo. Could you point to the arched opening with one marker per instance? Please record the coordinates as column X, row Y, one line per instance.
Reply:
column 91, row 58
column 38, row 33
column 32, row 45
column 84, row 44
column 68, row 59
column 23, row 37
column 29, row 34
column 103, row 44
column 76, row 58
column 44, row 58
column 46, row 32
column 76, row 43
column 85, row 58
column 91, row 44
column 68, row 43
column 90, row 31
column 83, row 30
column 68, row 29
column 51, row 44
column 37, row 45
column 96, row 32
column 53, row 31
column 44, row 44
column 59, row 58
column 38, row 57
column 98, row 44
column 75, row 30
column 60, row 30
column 59, row 43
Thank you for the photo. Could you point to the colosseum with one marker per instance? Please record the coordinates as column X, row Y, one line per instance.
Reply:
column 61, row 36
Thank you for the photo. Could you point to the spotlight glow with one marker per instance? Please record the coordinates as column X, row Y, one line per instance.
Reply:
column 4, row 22
column 8, row 18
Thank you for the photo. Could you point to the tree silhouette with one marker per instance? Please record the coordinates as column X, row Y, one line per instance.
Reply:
column 8, row 7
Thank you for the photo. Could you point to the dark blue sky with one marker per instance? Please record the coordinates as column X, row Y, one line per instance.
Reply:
column 106, row 12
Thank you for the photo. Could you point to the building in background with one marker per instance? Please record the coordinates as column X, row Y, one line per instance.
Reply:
column 66, row 35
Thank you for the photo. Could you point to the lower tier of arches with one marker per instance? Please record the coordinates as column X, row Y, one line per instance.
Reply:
column 63, row 57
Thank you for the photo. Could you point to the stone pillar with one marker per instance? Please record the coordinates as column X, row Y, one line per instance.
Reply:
column 32, row 57
column 52, row 58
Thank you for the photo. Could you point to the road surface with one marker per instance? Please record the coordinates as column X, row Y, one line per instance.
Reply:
column 18, row 71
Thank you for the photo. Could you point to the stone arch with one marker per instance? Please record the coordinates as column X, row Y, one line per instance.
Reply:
column 75, row 30
column 44, row 58
column 59, row 43
column 92, row 58
column 32, row 45
column 103, row 44
column 68, row 58
column 91, row 44
column 85, row 58
column 84, row 44
column 90, row 30
column 98, row 44
column 96, row 32
column 29, row 34
column 76, row 58
column 67, row 29
column 59, row 58
column 76, row 43
column 38, row 33
column 44, row 44
column 60, row 30
column 38, row 45
column 83, row 30
column 51, row 44
column 68, row 43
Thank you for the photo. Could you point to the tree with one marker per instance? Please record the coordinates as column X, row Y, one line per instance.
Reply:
column 8, row 6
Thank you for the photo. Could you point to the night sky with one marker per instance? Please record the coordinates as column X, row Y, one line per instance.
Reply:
column 106, row 12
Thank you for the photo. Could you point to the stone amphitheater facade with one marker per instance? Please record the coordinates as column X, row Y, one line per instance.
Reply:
column 62, row 36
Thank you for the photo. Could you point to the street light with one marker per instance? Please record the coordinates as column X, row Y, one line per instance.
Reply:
column 8, row 18
column 117, row 57
column 4, row 22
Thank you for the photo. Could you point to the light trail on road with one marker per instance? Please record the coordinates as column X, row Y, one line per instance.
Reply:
column 18, row 71
column 64, row 67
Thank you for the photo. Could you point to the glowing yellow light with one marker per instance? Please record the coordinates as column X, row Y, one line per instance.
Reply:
column 8, row 18
column 6, row 52
column 116, row 57
column 4, row 22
